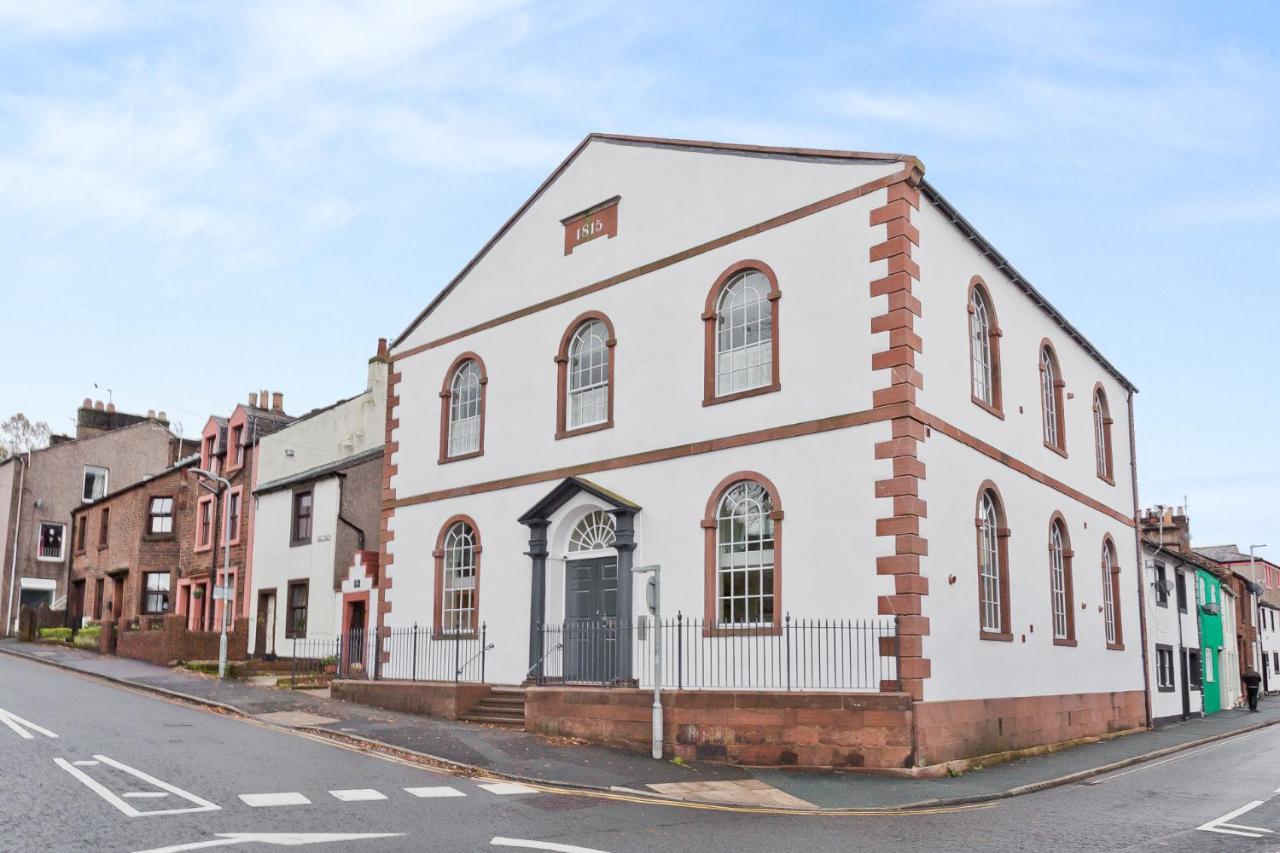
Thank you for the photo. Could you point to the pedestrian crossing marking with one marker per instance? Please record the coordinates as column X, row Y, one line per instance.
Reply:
column 503, row 789
column 262, row 801
column 358, row 795
column 441, row 791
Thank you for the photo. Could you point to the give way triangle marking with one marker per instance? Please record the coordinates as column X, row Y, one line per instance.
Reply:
column 278, row 839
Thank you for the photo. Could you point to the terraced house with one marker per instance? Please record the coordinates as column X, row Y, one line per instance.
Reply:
column 675, row 351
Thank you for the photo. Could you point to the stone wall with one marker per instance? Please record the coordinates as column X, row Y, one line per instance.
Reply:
column 948, row 731
column 445, row 699
column 796, row 729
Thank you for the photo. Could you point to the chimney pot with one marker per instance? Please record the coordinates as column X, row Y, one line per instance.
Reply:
column 277, row 402
column 97, row 405
column 160, row 415
column 382, row 348
column 263, row 398
column 111, row 407
column 151, row 414
column 87, row 404
column 253, row 399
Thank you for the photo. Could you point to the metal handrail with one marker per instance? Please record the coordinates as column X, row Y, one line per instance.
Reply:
column 557, row 647
column 462, row 667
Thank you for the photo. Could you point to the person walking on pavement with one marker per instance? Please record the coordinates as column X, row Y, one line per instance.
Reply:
column 1252, row 682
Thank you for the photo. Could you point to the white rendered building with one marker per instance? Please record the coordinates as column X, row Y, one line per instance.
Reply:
column 675, row 350
column 315, row 508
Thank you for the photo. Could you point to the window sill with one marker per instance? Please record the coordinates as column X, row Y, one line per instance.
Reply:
column 444, row 460
column 1064, row 641
column 1061, row 451
column 1168, row 689
column 745, row 631
column 1116, row 647
column 995, row 637
column 104, row 546
column 158, row 537
column 1164, row 604
column 58, row 559
column 1110, row 481
column 570, row 433
column 739, row 395
column 298, row 543
column 995, row 411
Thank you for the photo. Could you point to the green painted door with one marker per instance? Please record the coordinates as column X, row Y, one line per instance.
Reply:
column 1209, row 602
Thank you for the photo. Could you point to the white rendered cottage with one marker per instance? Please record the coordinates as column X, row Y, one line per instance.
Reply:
column 675, row 350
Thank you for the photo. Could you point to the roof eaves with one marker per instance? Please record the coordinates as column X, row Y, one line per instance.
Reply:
column 1002, row 263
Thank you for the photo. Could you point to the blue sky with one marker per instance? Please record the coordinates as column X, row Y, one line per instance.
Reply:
column 198, row 200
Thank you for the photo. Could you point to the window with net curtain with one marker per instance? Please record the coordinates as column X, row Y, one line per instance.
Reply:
column 744, row 334
column 464, row 409
column 745, row 556
column 458, row 582
column 588, row 401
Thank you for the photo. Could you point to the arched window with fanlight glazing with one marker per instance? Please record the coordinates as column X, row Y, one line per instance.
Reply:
column 1051, row 402
column 595, row 531
column 1102, row 435
column 1112, row 625
column 744, row 530
column 741, row 320
column 993, row 566
column 462, row 405
column 1061, row 587
column 457, row 582
column 585, row 376
column 984, row 349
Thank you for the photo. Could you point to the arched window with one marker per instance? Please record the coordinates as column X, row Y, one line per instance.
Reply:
column 984, row 349
column 744, row 546
column 1102, row 434
column 1111, row 596
column 1051, row 386
column 584, row 378
column 462, row 404
column 597, row 531
column 1060, row 583
column 457, row 557
column 741, row 321
column 993, row 566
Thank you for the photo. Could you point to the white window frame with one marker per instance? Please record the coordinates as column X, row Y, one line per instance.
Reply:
column 1058, row 581
column 983, row 378
column 1164, row 674
column 152, row 517
column 746, row 551
column 588, row 369
column 62, row 541
column 464, row 409
column 595, row 531
column 743, row 310
column 94, row 469
column 989, row 565
column 458, row 581
column 1108, row 597
column 1102, row 438
column 1049, row 394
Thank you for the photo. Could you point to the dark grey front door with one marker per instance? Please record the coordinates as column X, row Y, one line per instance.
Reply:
column 591, row 620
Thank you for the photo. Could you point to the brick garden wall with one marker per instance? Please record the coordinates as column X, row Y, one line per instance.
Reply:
column 171, row 641
column 796, row 729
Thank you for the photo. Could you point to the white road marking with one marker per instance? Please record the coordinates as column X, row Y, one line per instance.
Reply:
column 260, row 801
column 1147, row 766
column 540, row 845
column 1224, row 826
column 442, row 791
column 86, row 763
column 358, row 795
column 142, row 795
column 20, row 725
column 278, row 839
column 503, row 789
column 198, row 803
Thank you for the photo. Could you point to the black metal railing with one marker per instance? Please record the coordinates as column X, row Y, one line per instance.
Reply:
column 420, row 654
column 795, row 654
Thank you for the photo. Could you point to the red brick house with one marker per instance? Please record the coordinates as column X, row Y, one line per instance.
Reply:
column 130, row 547
column 228, row 449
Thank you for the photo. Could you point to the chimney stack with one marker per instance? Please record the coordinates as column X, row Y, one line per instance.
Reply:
column 160, row 416
column 151, row 414
column 253, row 399
column 262, row 398
column 277, row 402
column 1167, row 526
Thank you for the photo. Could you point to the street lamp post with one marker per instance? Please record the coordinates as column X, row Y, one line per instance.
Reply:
column 224, row 487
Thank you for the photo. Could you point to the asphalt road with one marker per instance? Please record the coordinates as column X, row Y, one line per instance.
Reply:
column 132, row 772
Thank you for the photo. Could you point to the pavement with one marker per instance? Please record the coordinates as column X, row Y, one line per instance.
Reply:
column 520, row 756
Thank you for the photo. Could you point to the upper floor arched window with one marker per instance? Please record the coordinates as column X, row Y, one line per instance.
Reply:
column 744, row 538
column 585, row 377
column 462, row 404
column 984, row 349
column 1102, row 434
column 1051, row 396
column 993, row 566
column 741, row 321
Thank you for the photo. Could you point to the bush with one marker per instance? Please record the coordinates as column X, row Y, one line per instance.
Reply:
column 59, row 634
column 84, row 640
column 90, row 631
